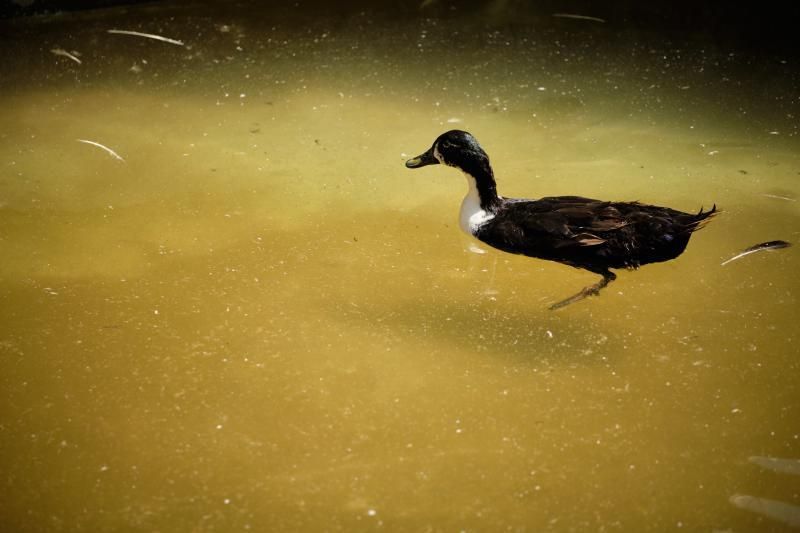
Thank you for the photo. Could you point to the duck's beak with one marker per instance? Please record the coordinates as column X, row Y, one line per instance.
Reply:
column 422, row 160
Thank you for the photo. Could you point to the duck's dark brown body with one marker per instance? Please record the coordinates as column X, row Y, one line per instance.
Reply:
column 590, row 234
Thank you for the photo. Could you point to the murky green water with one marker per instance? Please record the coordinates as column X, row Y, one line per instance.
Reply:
column 260, row 320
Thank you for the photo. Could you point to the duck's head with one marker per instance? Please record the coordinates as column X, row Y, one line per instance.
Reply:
column 458, row 149
column 461, row 150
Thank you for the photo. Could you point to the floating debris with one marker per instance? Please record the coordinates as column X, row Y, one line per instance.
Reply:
column 106, row 148
column 147, row 36
column 475, row 249
column 779, row 197
column 768, row 246
column 64, row 53
column 578, row 17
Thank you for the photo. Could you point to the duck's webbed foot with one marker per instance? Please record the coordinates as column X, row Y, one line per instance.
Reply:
column 592, row 290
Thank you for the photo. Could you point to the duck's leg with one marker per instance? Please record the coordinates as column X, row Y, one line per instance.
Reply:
column 591, row 290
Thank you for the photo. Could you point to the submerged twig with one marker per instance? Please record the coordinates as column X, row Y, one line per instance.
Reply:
column 578, row 17
column 147, row 36
column 771, row 245
column 64, row 53
column 786, row 513
column 103, row 147
column 784, row 466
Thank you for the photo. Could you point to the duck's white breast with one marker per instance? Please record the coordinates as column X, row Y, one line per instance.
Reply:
column 472, row 215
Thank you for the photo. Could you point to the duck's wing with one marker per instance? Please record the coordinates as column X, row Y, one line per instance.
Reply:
column 558, row 222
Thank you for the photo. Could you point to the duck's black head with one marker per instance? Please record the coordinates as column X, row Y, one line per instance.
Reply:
column 458, row 149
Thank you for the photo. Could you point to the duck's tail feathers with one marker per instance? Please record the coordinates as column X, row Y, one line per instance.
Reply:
column 703, row 217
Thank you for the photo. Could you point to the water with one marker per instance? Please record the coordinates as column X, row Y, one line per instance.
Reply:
column 260, row 320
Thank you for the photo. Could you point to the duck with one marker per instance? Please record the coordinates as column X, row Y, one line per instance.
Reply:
column 588, row 234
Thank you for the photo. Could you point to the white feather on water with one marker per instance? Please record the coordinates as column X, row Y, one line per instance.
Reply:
column 148, row 36
column 64, row 53
column 764, row 246
column 103, row 147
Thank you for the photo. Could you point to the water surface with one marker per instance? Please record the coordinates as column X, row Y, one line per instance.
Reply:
column 260, row 320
